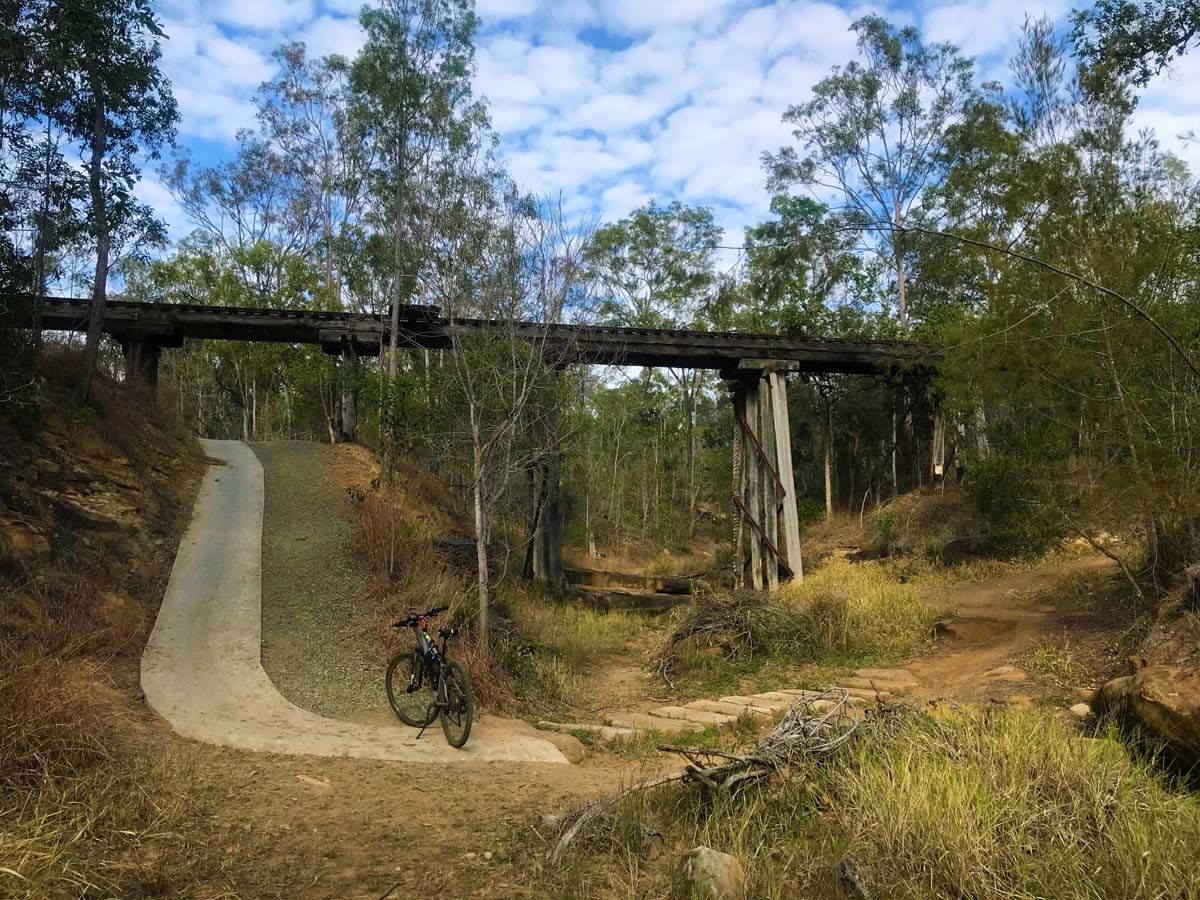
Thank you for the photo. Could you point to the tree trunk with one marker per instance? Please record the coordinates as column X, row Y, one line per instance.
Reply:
column 901, row 293
column 91, row 348
column 481, row 557
column 39, row 301
column 828, row 462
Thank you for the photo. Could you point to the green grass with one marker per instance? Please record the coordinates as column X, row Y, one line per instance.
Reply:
column 1055, row 661
column 1002, row 807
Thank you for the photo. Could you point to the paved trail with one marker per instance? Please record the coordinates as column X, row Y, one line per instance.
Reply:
column 202, row 668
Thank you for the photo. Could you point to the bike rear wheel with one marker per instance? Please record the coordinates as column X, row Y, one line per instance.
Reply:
column 416, row 707
column 459, row 711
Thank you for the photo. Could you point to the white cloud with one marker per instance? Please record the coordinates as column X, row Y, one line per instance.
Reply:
column 261, row 15
column 495, row 10
column 987, row 30
column 152, row 192
column 327, row 35
column 213, row 77
column 612, row 102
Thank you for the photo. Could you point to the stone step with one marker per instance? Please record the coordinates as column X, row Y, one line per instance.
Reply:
column 777, row 707
column 731, row 709
column 643, row 722
column 605, row 731
column 871, row 684
column 858, row 694
column 720, row 720
column 776, row 697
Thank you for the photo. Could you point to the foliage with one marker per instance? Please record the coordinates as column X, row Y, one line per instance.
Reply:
column 655, row 267
column 873, row 132
column 1138, row 39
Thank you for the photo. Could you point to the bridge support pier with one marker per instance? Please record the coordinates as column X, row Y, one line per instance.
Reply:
column 141, row 360
column 767, row 537
column 348, row 420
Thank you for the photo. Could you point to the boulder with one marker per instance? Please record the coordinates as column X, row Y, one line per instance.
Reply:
column 713, row 875
column 1164, row 700
column 568, row 745
column 22, row 541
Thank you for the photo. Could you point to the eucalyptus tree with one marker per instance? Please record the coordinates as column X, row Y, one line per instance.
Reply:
column 873, row 134
column 1136, row 39
column 412, row 79
column 113, row 99
column 1073, row 247
column 255, row 200
column 308, row 115
column 656, row 268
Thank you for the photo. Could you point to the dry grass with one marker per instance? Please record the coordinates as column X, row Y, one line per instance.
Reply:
column 1003, row 807
column 844, row 613
column 82, row 814
column 82, row 818
column 540, row 649
column 859, row 611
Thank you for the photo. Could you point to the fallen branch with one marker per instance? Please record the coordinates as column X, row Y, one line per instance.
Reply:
column 1100, row 548
column 812, row 727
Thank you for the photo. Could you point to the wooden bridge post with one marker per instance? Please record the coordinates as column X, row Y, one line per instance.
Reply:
column 764, row 486
column 141, row 360
column 771, row 498
column 783, row 451
column 754, row 486
column 348, row 365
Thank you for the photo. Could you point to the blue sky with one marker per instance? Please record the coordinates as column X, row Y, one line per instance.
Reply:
column 611, row 102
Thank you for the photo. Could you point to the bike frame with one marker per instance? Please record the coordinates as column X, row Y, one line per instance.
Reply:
column 431, row 657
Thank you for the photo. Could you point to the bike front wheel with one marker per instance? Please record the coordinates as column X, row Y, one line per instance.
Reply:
column 459, row 710
column 408, row 693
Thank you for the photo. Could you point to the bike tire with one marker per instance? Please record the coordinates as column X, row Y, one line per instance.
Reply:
column 415, row 709
column 459, row 711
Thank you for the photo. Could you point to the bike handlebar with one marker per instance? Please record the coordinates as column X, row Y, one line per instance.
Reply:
column 414, row 618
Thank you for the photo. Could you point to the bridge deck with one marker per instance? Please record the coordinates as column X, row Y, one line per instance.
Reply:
column 423, row 326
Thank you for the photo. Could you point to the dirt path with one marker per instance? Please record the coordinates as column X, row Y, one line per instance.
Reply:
column 202, row 670
column 996, row 620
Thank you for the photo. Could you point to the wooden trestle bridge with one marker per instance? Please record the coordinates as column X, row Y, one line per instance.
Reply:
column 768, row 532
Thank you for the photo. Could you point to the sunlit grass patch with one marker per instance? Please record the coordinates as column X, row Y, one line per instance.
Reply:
column 1056, row 661
column 860, row 610
column 989, row 807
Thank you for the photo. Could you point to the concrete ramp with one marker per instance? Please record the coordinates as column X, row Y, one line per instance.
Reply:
column 202, row 668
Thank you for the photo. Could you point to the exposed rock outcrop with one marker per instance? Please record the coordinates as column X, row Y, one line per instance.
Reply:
column 1162, row 699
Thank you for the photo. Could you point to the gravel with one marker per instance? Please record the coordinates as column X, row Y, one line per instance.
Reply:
column 319, row 642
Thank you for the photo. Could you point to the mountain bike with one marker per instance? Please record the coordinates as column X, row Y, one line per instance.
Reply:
column 423, row 684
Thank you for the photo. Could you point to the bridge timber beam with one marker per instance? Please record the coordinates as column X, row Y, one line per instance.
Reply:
column 425, row 327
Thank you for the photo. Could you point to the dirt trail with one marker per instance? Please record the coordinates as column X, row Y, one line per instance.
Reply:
column 996, row 620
